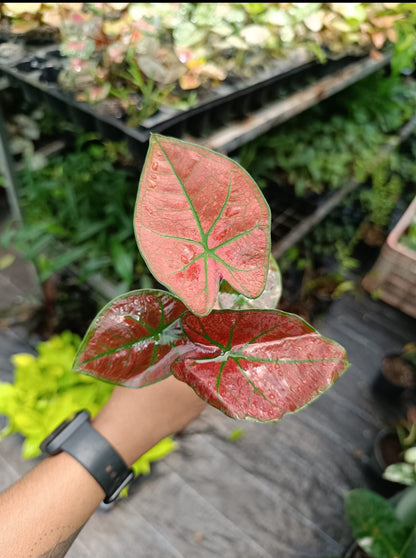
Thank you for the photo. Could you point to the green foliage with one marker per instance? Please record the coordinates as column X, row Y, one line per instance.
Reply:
column 406, row 507
column 409, row 239
column 334, row 142
column 327, row 147
column 379, row 200
column 152, row 96
column 405, row 472
column 377, row 528
column 46, row 391
column 78, row 210
column 404, row 48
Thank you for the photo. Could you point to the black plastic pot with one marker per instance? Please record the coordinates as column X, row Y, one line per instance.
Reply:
column 395, row 377
column 36, row 72
column 355, row 551
column 387, row 450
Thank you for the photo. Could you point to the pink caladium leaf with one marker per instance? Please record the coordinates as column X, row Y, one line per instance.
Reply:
column 257, row 364
column 134, row 339
column 201, row 218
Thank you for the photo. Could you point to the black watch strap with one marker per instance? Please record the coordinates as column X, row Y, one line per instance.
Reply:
column 80, row 439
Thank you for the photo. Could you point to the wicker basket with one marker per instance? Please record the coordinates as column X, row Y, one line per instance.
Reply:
column 393, row 277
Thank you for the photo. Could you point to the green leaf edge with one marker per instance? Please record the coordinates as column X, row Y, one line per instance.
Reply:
column 268, row 250
column 170, row 373
column 253, row 419
column 85, row 339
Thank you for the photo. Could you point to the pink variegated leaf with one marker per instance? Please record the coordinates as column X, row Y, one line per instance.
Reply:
column 201, row 218
column 257, row 364
column 134, row 339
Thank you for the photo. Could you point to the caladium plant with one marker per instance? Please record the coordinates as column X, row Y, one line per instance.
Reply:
column 203, row 227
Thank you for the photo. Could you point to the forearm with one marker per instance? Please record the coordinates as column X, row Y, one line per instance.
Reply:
column 41, row 515
column 46, row 508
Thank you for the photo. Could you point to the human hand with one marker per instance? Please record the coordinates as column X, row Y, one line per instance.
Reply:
column 134, row 420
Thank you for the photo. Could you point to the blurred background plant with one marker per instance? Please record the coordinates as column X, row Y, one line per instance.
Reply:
column 409, row 238
column 77, row 209
column 144, row 55
column 45, row 391
column 383, row 529
column 350, row 138
column 325, row 147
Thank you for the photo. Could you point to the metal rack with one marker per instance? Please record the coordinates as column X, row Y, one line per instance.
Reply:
column 276, row 99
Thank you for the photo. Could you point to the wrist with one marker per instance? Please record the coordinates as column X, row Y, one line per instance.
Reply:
column 78, row 438
column 117, row 437
column 134, row 420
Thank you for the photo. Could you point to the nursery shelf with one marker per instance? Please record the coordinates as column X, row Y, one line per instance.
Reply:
column 294, row 222
column 234, row 135
column 270, row 98
column 261, row 102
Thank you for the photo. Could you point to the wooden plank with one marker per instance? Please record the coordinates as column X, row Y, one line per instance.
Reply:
column 259, row 487
column 78, row 550
column 123, row 532
column 234, row 135
column 291, row 441
column 374, row 313
column 302, row 466
column 11, row 451
column 8, row 474
column 192, row 525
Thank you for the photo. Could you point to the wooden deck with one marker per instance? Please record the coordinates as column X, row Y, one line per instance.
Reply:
column 276, row 492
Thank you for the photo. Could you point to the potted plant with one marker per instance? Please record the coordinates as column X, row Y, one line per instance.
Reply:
column 393, row 277
column 382, row 528
column 397, row 373
column 389, row 450
column 404, row 470
column 200, row 220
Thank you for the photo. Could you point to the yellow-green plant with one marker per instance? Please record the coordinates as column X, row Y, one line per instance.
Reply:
column 46, row 391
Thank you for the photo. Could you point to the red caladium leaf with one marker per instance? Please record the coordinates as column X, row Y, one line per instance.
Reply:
column 258, row 364
column 134, row 339
column 200, row 218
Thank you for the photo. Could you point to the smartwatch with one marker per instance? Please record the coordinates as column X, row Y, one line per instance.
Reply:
column 79, row 438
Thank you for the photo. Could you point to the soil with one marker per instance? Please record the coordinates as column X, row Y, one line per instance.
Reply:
column 398, row 371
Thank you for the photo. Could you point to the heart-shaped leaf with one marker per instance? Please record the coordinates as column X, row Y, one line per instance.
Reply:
column 258, row 364
column 200, row 218
column 134, row 339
